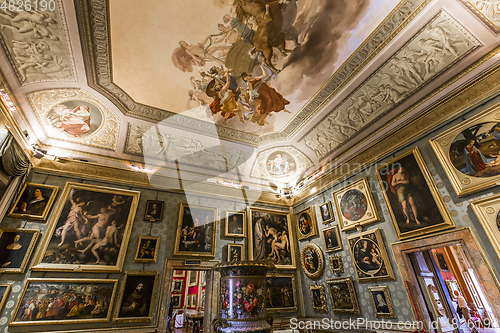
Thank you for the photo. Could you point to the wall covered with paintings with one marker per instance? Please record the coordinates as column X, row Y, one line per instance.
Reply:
column 442, row 210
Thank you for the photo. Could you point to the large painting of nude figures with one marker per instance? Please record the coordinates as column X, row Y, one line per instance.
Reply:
column 413, row 199
column 271, row 238
column 90, row 229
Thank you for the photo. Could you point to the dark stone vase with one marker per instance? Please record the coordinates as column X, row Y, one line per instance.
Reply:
column 242, row 302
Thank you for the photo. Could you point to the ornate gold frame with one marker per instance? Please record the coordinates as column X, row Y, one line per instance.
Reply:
column 180, row 300
column 183, row 273
column 70, row 321
column 47, row 209
column 371, row 214
column 352, row 240
column 161, row 211
column 291, row 235
column 340, row 264
column 450, row 289
column 314, row 228
column 321, row 261
column 294, row 290
column 226, row 232
column 119, row 298
column 487, row 210
column 6, row 295
column 337, row 234
column 177, row 290
column 231, row 245
column 27, row 256
column 352, row 293
column 321, row 288
column 39, row 266
column 448, row 221
column 462, row 183
column 194, row 284
column 330, row 209
column 385, row 290
column 138, row 248
column 177, row 252
column 187, row 302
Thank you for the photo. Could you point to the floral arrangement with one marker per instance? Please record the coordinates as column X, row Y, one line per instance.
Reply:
column 242, row 299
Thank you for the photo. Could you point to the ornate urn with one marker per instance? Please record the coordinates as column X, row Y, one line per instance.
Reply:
column 242, row 302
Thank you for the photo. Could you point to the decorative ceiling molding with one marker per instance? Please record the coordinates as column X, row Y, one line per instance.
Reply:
column 72, row 115
column 280, row 164
column 487, row 12
column 438, row 46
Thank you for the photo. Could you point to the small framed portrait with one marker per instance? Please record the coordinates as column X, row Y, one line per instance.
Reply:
column 154, row 211
column 281, row 295
column 235, row 252
column 452, row 285
column 382, row 303
column 236, row 225
column 343, row 296
column 188, row 301
column 16, row 246
column 147, row 249
column 370, row 258
column 413, row 200
column 194, row 298
column 441, row 260
column 336, row 264
column 312, row 261
column 355, row 206
column 306, row 223
column 202, row 300
column 4, row 294
column 318, row 298
column 179, row 273
column 192, row 278
column 326, row 212
column 137, row 297
column 34, row 201
column 331, row 237
column 177, row 286
column 176, row 301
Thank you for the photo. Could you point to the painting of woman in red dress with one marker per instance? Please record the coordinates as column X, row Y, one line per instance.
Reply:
column 75, row 118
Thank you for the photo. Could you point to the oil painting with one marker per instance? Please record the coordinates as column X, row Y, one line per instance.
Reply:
column 64, row 301
column 176, row 301
column 488, row 213
column 281, row 295
column 280, row 165
column 382, row 303
column 336, row 265
column 177, row 286
column 16, row 246
column 147, row 249
column 196, row 230
column 318, row 298
column 306, row 223
column 270, row 237
column 343, row 296
column 89, row 230
column 312, row 261
column 154, row 211
column 326, row 212
column 34, row 201
column 235, row 252
column 331, row 238
column 414, row 202
column 4, row 294
column 236, row 224
column 75, row 118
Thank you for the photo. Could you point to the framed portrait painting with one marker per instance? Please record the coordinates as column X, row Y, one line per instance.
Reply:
column 469, row 152
column 441, row 260
column 414, row 202
column 488, row 213
column 192, row 278
column 235, row 224
column 312, row 261
column 187, row 304
column 154, row 211
column 326, row 212
column 281, row 294
column 89, row 230
column 179, row 273
column 343, row 296
column 306, row 223
column 318, row 298
column 336, row 265
column 177, row 286
column 196, row 230
column 235, row 252
column 34, row 201
column 4, row 294
column 67, row 297
column 16, row 246
column 147, row 249
column 176, row 301
column 194, row 298
column 355, row 206
column 331, row 238
column 382, row 303
column 264, row 227
column 136, row 300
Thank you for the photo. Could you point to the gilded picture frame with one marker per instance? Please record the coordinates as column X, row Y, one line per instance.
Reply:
column 34, row 206
column 176, row 300
column 128, row 288
column 355, row 205
column 488, row 213
column 282, row 296
column 194, row 298
column 336, row 264
column 4, row 294
column 236, row 224
column 432, row 214
column 201, row 219
column 13, row 242
column 339, row 289
column 235, row 252
column 331, row 239
column 370, row 245
column 306, row 223
column 179, row 273
column 326, row 212
column 187, row 303
column 259, row 219
column 382, row 302
column 192, row 282
column 318, row 298
column 177, row 286
column 154, row 210
column 62, row 235
column 312, row 261
column 448, row 145
column 33, row 288
column 146, row 252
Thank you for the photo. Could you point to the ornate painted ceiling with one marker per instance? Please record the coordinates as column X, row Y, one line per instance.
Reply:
column 249, row 90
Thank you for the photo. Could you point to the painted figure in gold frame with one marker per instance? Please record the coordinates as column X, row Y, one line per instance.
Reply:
column 382, row 303
column 235, row 252
column 312, row 261
column 488, row 212
column 235, row 224
column 343, row 296
column 326, row 212
column 306, row 223
column 281, row 294
column 34, row 201
column 16, row 246
column 4, row 294
column 336, row 265
column 331, row 238
column 147, row 249
column 318, row 298
column 154, row 210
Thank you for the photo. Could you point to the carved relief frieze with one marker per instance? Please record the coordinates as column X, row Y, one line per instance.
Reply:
column 488, row 11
